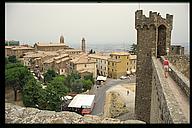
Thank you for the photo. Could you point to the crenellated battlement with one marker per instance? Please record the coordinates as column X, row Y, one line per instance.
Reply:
column 154, row 19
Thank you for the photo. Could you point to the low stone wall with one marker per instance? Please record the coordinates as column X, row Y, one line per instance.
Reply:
column 179, row 78
column 22, row 115
column 181, row 62
column 164, row 107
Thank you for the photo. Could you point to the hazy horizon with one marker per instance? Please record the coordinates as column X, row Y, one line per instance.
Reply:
column 100, row 23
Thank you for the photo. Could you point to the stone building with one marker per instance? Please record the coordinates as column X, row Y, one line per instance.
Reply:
column 83, row 65
column 153, row 38
column 101, row 64
column 58, row 64
column 51, row 46
column 31, row 59
column 119, row 64
column 18, row 51
column 176, row 50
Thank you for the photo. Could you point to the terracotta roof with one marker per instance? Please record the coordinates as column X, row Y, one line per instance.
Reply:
column 50, row 44
column 63, row 59
column 82, row 59
column 104, row 57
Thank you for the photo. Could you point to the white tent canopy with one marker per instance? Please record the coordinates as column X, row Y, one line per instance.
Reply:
column 128, row 72
column 133, row 70
column 82, row 100
column 101, row 78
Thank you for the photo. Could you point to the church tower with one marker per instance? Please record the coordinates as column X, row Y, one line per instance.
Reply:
column 61, row 39
column 83, row 45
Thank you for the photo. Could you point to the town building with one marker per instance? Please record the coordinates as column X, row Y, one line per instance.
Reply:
column 58, row 64
column 120, row 64
column 176, row 50
column 17, row 51
column 32, row 59
column 83, row 65
column 101, row 63
column 39, row 46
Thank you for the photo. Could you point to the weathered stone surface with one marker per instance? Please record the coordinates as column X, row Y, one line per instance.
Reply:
column 17, row 114
column 153, row 38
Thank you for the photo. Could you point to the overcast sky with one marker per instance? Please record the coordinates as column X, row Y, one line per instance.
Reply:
column 97, row 23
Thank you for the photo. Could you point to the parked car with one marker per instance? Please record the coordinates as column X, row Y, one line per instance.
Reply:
column 123, row 77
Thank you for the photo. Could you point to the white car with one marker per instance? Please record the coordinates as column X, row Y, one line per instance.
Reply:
column 123, row 77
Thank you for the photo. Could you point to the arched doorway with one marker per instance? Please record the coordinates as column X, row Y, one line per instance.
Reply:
column 161, row 44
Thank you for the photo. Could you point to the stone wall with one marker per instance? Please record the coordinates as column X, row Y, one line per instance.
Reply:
column 18, row 114
column 164, row 107
column 181, row 62
column 178, row 77
column 153, row 38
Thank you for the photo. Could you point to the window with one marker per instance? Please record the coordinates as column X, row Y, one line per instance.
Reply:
column 127, row 63
column 101, row 67
column 127, row 69
column 105, row 68
column 116, row 57
column 85, row 65
column 119, row 57
column 108, row 68
column 112, row 64
column 112, row 70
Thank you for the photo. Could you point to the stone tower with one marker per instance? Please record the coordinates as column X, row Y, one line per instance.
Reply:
column 83, row 45
column 153, row 38
column 61, row 39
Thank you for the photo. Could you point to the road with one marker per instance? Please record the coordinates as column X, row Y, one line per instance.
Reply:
column 100, row 93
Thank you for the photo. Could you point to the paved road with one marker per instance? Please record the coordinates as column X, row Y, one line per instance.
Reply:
column 100, row 93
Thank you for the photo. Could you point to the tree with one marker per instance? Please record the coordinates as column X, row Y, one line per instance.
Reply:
column 31, row 93
column 70, row 79
column 12, row 59
column 16, row 77
column 87, row 84
column 48, row 76
column 77, row 86
column 55, row 91
column 133, row 49
column 89, row 77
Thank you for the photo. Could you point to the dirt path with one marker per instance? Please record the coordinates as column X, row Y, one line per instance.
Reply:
column 129, row 99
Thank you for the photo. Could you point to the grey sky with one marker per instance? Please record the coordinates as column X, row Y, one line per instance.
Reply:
column 98, row 23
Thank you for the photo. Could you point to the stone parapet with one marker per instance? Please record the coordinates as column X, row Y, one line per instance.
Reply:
column 25, row 115
column 179, row 78
column 168, row 110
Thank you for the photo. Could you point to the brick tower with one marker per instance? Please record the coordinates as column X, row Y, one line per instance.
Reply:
column 153, row 38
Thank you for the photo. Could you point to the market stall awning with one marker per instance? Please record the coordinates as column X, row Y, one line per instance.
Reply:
column 101, row 78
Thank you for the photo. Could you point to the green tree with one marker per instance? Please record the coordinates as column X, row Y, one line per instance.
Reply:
column 89, row 77
column 55, row 91
column 77, row 86
column 87, row 84
column 16, row 77
column 48, row 76
column 31, row 93
column 133, row 49
column 12, row 59
column 71, row 78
